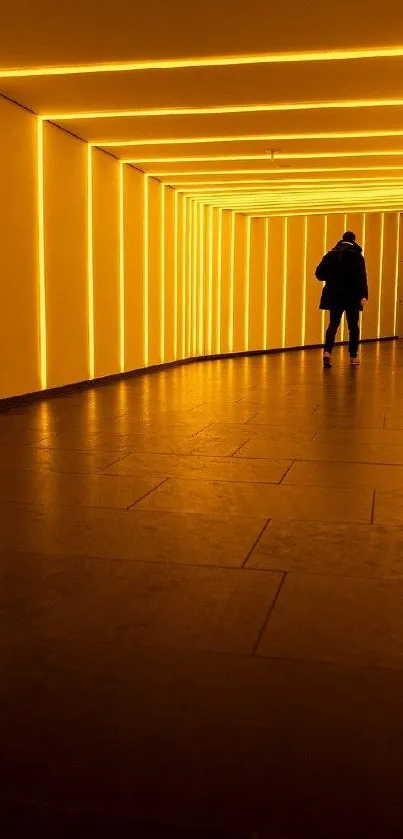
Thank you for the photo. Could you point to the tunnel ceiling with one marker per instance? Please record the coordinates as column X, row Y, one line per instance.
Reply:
column 258, row 108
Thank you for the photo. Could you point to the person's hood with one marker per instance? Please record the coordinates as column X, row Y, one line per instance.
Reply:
column 347, row 246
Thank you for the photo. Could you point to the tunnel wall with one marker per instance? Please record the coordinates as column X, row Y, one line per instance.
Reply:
column 104, row 270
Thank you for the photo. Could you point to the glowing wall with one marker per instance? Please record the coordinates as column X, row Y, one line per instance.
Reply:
column 19, row 335
column 105, row 270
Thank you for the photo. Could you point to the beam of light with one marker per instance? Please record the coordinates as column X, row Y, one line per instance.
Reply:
column 343, row 318
column 147, row 161
column 146, row 269
column 334, row 194
column 264, row 107
column 90, row 266
column 195, row 275
column 288, row 171
column 231, row 285
column 121, row 268
column 301, row 57
column 175, row 235
column 189, row 276
column 395, row 316
column 210, row 282
column 301, row 186
column 266, row 282
column 325, row 227
column 304, row 281
column 297, row 202
column 245, row 138
column 247, row 280
column 381, row 272
column 264, row 213
column 201, row 281
column 43, row 363
column 162, row 272
column 184, row 268
column 285, row 278
column 230, row 183
column 219, row 280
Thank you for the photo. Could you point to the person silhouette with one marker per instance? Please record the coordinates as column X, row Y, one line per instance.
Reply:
column 344, row 274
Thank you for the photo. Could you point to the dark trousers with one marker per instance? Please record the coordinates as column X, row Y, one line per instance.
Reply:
column 353, row 323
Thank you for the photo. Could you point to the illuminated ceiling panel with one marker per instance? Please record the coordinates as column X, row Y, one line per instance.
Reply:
column 263, row 106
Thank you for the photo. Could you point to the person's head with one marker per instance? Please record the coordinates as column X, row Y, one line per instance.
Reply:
column 348, row 236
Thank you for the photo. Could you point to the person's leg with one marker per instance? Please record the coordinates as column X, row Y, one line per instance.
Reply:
column 353, row 323
column 331, row 332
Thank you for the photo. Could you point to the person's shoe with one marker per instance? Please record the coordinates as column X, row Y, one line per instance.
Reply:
column 354, row 361
column 327, row 360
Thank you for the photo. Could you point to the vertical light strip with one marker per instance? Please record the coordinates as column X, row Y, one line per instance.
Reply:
column 121, row 267
column 304, row 281
column 146, row 269
column 364, row 230
column 325, row 251
column 381, row 272
column 285, row 266
column 247, row 280
column 175, row 235
column 219, row 279
column 90, row 265
column 201, row 281
column 231, row 286
column 184, row 269
column 195, row 277
column 266, row 282
column 395, row 319
column 210, row 283
column 41, row 257
column 342, row 320
column 189, row 277
column 162, row 273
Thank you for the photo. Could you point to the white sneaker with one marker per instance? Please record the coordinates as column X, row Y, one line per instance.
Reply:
column 355, row 362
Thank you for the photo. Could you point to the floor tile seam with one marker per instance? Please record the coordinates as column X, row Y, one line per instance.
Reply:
column 282, row 480
column 64, row 506
column 220, row 517
column 180, row 455
column 201, row 431
column 250, row 419
column 208, row 480
column 255, row 544
column 195, row 478
column 321, row 460
column 359, row 666
column 269, row 613
column 240, row 515
column 374, row 498
column 331, row 486
column 158, row 563
column 330, row 575
column 146, row 494
column 238, row 449
column 301, row 663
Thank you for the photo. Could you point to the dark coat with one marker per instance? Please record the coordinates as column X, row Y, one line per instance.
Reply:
column 344, row 273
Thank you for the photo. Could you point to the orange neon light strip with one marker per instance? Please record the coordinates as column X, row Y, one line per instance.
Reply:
column 243, row 138
column 41, row 256
column 273, row 107
column 90, row 266
column 279, row 156
column 121, row 269
column 354, row 54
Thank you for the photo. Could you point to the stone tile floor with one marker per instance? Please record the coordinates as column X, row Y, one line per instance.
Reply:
column 201, row 603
